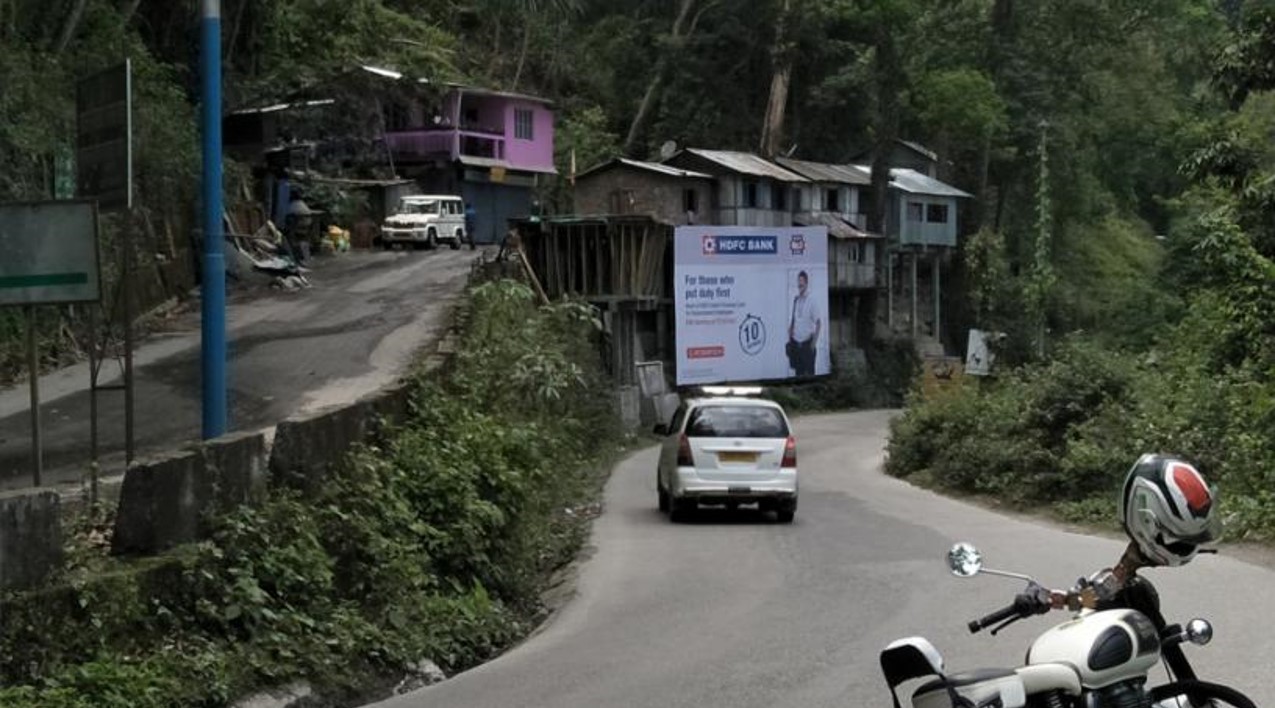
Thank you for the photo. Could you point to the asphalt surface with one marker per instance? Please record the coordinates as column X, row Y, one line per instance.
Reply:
column 738, row 611
column 355, row 330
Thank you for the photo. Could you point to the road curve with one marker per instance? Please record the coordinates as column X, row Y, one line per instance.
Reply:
column 740, row 611
column 356, row 330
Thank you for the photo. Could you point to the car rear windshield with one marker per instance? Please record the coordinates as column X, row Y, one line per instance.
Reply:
column 736, row 422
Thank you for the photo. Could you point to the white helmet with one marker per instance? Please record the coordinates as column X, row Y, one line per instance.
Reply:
column 1166, row 509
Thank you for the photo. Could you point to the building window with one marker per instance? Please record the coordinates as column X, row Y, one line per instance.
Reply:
column 936, row 213
column 750, row 195
column 831, row 201
column 781, row 197
column 690, row 201
column 796, row 198
column 524, row 124
column 857, row 252
column 916, row 212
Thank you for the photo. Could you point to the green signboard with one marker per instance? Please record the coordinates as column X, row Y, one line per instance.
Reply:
column 48, row 253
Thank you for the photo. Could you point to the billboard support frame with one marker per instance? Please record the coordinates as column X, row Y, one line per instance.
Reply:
column 33, row 365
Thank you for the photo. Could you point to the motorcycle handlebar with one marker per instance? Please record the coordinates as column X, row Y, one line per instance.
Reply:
column 1036, row 600
column 995, row 618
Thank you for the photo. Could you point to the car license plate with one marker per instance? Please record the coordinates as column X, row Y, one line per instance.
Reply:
column 731, row 456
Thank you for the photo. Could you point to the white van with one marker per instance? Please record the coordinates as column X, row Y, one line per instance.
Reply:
column 425, row 219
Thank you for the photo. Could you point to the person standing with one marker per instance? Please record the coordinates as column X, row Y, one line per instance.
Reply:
column 804, row 328
column 471, row 215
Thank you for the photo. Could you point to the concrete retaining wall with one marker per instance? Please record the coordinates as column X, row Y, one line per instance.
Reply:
column 30, row 537
column 162, row 503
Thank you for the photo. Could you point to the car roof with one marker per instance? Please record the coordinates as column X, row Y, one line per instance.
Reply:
column 429, row 197
column 733, row 401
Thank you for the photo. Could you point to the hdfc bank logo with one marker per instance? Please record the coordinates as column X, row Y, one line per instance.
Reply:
column 797, row 244
column 710, row 245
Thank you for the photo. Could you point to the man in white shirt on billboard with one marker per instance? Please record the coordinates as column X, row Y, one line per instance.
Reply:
column 804, row 328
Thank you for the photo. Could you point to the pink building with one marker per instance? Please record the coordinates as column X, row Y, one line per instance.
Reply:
column 478, row 127
column 490, row 147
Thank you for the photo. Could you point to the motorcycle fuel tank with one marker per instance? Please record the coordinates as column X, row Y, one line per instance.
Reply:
column 1104, row 647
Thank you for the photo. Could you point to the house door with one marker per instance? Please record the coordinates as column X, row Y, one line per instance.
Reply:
column 495, row 205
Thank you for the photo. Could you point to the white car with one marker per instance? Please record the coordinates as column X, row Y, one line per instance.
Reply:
column 728, row 450
column 426, row 220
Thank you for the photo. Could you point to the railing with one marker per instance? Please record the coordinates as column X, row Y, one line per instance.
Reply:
column 421, row 144
column 448, row 142
column 482, row 145
column 915, row 232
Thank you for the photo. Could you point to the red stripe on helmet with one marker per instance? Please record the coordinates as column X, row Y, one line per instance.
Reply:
column 1191, row 484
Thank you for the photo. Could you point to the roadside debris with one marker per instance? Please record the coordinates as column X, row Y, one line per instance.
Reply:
column 419, row 675
column 267, row 251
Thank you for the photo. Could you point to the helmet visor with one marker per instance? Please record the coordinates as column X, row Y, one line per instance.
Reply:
column 1186, row 544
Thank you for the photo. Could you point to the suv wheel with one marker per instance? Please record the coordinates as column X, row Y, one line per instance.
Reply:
column 679, row 510
column 455, row 244
column 431, row 239
column 663, row 496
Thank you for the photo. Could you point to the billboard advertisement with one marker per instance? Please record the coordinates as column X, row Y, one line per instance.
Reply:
column 751, row 303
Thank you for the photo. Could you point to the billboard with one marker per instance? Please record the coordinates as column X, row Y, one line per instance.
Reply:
column 104, row 137
column 48, row 253
column 751, row 303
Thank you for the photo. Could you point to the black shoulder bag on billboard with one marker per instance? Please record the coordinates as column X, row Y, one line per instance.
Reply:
column 791, row 350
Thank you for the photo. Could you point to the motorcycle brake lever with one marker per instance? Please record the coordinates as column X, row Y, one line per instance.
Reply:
column 1004, row 624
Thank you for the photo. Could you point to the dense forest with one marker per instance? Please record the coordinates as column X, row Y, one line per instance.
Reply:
column 1122, row 238
column 1119, row 150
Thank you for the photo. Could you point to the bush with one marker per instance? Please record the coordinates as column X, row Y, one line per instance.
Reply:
column 435, row 543
column 1064, row 433
column 1014, row 437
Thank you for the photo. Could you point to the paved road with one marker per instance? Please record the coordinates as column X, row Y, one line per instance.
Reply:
column 738, row 612
column 354, row 331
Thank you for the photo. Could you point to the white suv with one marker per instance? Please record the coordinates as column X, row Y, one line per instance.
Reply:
column 728, row 450
column 424, row 219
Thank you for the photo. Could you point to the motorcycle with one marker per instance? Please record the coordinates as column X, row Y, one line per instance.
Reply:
column 1100, row 658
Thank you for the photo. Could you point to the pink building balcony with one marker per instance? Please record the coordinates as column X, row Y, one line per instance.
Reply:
column 447, row 143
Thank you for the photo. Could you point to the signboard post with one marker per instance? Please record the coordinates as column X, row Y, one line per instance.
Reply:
column 751, row 303
column 48, row 255
column 104, row 171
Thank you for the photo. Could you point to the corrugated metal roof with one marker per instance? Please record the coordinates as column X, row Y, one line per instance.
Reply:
column 283, row 107
column 663, row 169
column 647, row 166
column 914, row 182
column 823, row 172
column 463, row 88
column 918, row 147
column 837, row 227
column 478, row 91
column 748, row 164
column 379, row 71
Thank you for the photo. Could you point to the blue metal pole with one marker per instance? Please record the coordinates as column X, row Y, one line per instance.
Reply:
column 214, row 261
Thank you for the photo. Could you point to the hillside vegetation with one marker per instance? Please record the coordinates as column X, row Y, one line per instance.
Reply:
column 1119, row 152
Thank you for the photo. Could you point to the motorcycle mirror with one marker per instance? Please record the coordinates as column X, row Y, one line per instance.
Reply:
column 964, row 560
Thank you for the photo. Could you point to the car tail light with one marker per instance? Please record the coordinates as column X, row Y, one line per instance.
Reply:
column 790, row 452
column 684, row 458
